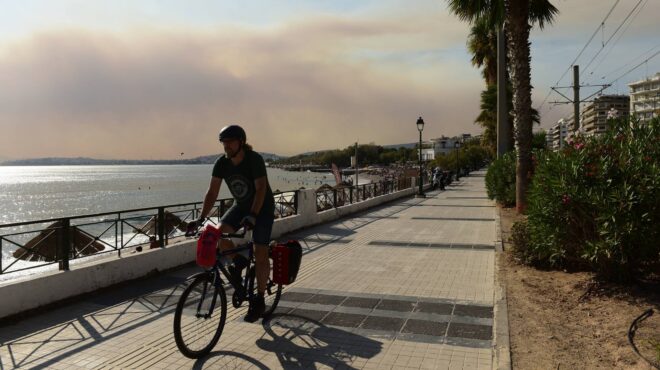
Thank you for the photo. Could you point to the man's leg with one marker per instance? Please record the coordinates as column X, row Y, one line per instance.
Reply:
column 263, row 266
column 229, row 223
column 260, row 237
column 226, row 244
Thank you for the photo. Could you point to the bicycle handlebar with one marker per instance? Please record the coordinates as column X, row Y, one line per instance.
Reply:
column 197, row 232
column 234, row 235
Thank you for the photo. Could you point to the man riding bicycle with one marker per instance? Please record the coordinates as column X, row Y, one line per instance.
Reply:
column 244, row 171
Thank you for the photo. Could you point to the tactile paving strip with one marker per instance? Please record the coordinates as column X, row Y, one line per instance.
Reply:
column 401, row 317
column 386, row 243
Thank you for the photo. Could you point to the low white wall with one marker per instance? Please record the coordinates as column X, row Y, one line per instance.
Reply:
column 36, row 291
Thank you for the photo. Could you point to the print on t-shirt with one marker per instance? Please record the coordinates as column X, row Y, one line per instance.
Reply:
column 239, row 187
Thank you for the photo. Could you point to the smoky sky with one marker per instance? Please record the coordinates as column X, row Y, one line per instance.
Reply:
column 154, row 94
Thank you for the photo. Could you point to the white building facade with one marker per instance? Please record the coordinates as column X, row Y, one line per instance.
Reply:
column 645, row 98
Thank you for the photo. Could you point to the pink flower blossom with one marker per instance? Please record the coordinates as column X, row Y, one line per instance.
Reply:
column 565, row 199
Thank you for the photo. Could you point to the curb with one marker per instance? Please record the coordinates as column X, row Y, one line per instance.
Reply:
column 502, row 349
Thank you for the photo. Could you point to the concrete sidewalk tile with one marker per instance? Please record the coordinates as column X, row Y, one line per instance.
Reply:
column 410, row 257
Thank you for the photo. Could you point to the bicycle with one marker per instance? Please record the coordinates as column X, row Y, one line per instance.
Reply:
column 199, row 318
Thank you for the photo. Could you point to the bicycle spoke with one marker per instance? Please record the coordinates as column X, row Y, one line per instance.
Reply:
column 199, row 318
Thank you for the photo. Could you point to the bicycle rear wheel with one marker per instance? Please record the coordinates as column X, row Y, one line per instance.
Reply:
column 199, row 318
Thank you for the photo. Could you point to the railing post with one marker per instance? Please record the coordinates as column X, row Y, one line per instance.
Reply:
column 351, row 194
column 117, row 221
column 121, row 235
column 295, row 200
column 1, row 254
column 64, row 245
column 334, row 196
column 160, row 223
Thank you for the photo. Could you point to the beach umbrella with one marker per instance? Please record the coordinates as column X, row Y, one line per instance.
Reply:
column 43, row 247
column 172, row 221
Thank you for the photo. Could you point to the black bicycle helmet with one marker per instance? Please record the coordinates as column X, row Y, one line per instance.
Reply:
column 233, row 132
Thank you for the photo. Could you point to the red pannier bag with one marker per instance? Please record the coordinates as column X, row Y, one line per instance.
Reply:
column 286, row 262
column 206, row 247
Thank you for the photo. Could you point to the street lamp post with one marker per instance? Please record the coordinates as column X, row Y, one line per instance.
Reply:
column 420, row 128
column 457, row 145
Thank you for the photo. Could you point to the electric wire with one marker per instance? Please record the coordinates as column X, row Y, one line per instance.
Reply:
column 604, row 58
column 635, row 67
column 630, row 62
column 611, row 36
column 579, row 54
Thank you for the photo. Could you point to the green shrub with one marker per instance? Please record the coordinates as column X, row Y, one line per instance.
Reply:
column 597, row 202
column 501, row 179
column 520, row 241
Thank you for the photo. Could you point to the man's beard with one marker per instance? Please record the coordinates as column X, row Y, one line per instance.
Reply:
column 231, row 154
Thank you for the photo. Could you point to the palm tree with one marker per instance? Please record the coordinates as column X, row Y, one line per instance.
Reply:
column 482, row 44
column 518, row 16
column 487, row 118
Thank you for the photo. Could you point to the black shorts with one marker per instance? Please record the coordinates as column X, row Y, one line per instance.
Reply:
column 262, row 230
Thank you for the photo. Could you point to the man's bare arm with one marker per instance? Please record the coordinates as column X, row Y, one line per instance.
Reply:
column 260, row 186
column 211, row 196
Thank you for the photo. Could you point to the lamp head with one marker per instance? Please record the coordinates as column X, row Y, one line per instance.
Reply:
column 420, row 124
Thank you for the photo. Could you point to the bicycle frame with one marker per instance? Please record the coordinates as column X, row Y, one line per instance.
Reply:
column 217, row 277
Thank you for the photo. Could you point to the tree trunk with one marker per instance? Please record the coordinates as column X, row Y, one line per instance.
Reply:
column 490, row 68
column 517, row 17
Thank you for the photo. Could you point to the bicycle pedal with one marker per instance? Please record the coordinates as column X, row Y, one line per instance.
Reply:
column 238, row 298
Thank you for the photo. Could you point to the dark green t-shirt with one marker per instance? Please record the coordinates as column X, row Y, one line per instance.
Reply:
column 240, row 180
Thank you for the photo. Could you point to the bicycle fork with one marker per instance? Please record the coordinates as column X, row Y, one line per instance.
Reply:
column 205, row 287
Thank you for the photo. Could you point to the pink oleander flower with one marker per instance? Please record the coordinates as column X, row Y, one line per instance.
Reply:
column 612, row 114
column 565, row 199
column 579, row 146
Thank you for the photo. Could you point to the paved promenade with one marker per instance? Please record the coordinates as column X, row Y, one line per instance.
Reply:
column 406, row 285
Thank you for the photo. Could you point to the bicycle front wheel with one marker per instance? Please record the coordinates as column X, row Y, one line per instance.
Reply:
column 199, row 317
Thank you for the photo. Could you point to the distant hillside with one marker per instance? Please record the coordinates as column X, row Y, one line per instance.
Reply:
column 392, row 146
column 397, row 146
column 83, row 161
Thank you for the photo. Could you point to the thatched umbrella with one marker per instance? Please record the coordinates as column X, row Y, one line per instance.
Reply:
column 43, row 247
column 172, row 221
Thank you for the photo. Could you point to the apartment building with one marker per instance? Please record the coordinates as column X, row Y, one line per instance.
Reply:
column 446, row 145
column 558, row 133
column 595, row 114
column 645, row 98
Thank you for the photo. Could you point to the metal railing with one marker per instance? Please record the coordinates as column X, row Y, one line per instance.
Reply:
column 341, row 196
column 35, row 244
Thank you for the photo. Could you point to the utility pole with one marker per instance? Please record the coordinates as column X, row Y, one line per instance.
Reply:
column 576, row 98
column 503, row 124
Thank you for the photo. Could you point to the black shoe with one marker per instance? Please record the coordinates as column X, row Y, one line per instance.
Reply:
column 256, row 309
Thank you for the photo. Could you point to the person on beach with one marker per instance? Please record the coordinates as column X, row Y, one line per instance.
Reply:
column 244, row 171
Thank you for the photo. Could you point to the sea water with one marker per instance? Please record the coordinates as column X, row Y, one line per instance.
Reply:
column 30, row 193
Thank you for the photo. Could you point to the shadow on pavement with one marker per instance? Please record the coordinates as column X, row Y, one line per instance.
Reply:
column 94, row 319
column 303, row 343
column 316, row 237
column 231, row 360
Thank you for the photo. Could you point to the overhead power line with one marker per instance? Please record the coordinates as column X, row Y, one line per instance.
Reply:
column 635, row 67
column 612, row 35
column 630, row 61
column 579, row 54
column 604, row 58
